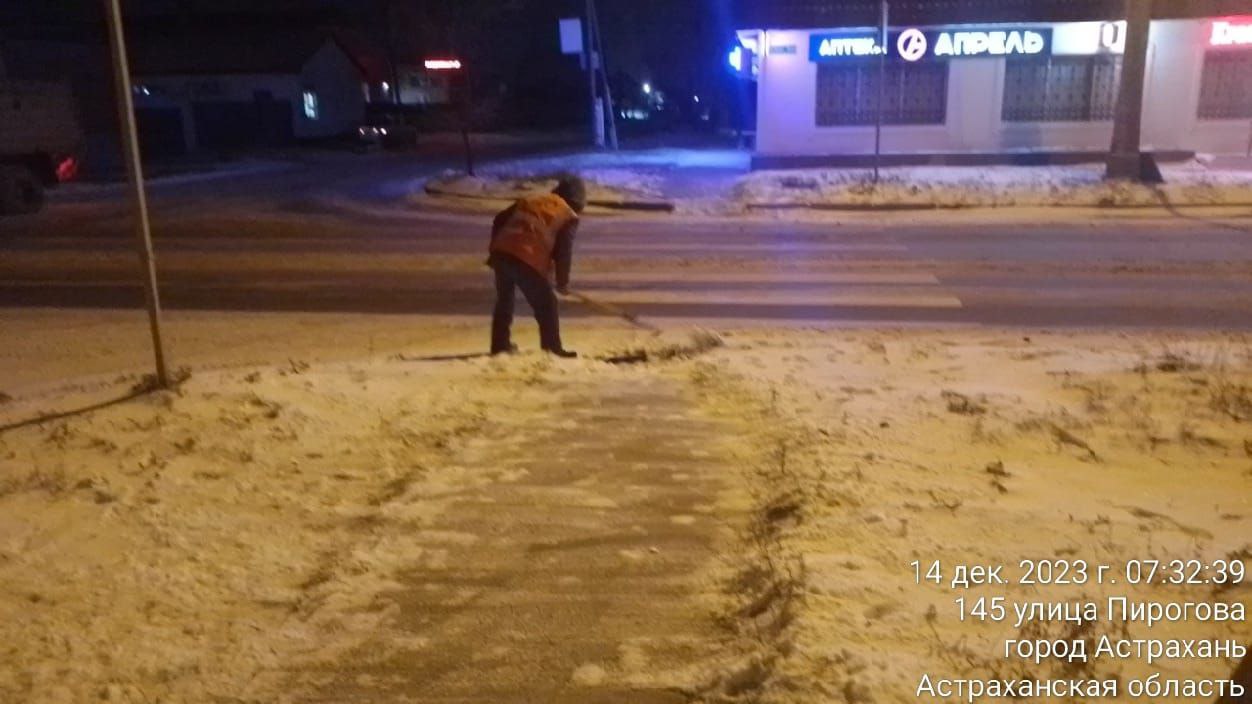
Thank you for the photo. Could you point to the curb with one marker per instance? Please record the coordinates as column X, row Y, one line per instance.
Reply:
column 913, row 207
column 656, row 206
column 855, row 207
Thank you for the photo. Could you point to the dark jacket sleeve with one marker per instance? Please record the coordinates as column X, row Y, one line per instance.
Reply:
column 564, row 253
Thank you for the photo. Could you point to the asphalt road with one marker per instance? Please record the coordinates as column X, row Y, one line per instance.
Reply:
column 331, row 236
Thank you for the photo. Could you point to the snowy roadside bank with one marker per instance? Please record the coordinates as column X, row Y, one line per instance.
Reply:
column 985, row 448
column 649, row 181
column 1081, row 186
column 606, row 190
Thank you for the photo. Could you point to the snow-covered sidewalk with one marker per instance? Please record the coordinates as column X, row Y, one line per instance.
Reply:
column 333, row 506
column 362, row 527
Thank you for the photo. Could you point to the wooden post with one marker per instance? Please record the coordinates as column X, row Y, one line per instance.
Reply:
column 134, row 172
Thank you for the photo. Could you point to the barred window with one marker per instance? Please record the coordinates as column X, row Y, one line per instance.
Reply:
column 1226, row 85
column 1061, row 89
column 913, row 94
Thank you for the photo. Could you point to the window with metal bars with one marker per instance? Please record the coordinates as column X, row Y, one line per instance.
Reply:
column 1226, row 86
column 912, row 94
column 1061, row 89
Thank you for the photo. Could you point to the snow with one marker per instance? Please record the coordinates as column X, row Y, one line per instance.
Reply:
column 717, row 183
column 604, row 185
column 1189, row 183
column 614, row 177
column 948, row 445
column 220, row 541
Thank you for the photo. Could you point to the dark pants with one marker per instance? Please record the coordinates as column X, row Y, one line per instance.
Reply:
column 511, row 274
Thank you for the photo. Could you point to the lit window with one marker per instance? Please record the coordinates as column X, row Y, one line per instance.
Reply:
column 311, row 108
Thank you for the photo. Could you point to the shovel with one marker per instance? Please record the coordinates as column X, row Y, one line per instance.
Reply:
column 610, row 309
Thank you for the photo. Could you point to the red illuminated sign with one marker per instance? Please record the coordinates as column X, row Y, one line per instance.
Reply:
column 443, row 64
column 1232, row 32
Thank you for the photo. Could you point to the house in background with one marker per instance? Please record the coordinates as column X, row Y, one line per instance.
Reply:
column 204, row 93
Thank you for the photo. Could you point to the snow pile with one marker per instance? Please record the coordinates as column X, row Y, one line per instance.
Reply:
column 207, row 544
column 242, row 537
column 991, row 186
column 603, row 185
column 983, row 449
column 612, row 177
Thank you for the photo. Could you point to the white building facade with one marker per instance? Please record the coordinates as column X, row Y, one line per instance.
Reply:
column 979, row 91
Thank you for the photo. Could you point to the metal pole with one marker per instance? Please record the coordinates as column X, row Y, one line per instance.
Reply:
column 465, row 120
column 604, row 73
column 882, row 80
column 597, row 125
column 134, row 172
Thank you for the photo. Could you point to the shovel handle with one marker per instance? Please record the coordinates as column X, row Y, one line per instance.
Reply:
column 612, row 310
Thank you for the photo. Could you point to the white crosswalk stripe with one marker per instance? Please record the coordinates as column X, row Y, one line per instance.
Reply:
column 854, row 289
column 602, row 247
column 675, row 288
column 764, row 277
column 816, row 297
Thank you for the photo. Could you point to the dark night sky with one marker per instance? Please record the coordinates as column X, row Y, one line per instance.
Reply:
column 668, row 42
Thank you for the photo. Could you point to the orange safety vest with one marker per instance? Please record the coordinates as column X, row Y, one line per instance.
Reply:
column 530, row 232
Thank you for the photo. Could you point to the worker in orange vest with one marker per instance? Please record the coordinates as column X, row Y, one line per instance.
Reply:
column 527, row 238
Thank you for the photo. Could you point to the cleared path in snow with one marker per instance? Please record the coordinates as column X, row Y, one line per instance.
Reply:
column 584, row 579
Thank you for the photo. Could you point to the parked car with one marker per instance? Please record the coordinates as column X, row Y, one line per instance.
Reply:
column 39, row 140
column 390, row 127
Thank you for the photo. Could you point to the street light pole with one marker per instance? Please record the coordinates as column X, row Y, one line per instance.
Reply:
column 466, row 98
column 604, row 73
column 882, row 79
column 597, row 117
column 134, row 172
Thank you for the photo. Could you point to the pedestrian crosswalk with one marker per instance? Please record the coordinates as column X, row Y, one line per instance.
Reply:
column 784, row 277
column 812, row 296
column 679, row 291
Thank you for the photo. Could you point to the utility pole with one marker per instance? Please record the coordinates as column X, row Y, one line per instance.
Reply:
column 1125, row 160
column 385, row 12
column 467, row 89
column 134, row 172
column 597, row 118
column 882, row 80
column 604, row 73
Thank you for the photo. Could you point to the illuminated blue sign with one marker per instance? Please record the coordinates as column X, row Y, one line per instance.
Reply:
column 915, row 44
column 844, row 45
